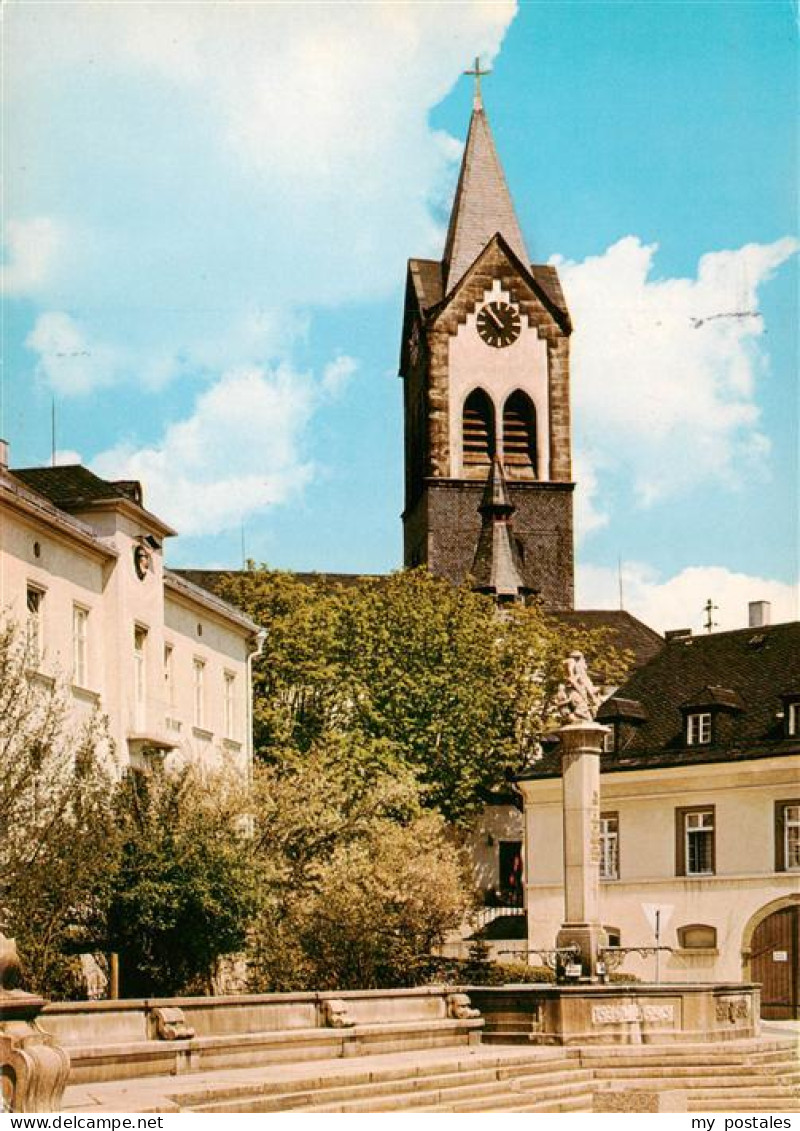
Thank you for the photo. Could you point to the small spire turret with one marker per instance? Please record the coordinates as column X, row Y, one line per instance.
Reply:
column 496, row 568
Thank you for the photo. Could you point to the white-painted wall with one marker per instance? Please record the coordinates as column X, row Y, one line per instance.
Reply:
column 745, row 880
column 499, row 372
column 94, row 568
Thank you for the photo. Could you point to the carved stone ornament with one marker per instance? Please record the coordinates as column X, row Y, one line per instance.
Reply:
column 459, row 1008
column 335, row 1015
column 577, row 699
column 627, row 1012
column 733, row 1009
column 33, row 1067
column 171, row 1024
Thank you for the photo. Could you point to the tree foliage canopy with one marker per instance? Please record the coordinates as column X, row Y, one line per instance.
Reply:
column 454, row 691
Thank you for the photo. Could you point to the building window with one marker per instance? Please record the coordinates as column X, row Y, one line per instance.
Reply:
column 80, row 646
column 609, row 846
column 199, row 693
column 793, row 719
column 230, row 705
column 477, row 431
column 695, row 841
column 139, row 674
column 697, row 936
column 698, row 728
column 35, row 640
column 169, row 675
column 787, row 836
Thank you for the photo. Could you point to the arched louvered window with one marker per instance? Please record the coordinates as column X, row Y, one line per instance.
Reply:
column 477, row 432
column 519, row 436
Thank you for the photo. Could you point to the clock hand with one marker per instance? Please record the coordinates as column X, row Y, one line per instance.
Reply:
column 494, row 318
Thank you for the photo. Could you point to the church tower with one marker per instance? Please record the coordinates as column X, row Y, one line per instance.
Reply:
column 485, row 368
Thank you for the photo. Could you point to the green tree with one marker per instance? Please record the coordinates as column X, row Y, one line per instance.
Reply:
column 457, row 692
column 184, row 891
column 357, row 881
column 57, row 848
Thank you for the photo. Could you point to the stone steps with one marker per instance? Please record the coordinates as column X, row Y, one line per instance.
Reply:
column 553, row 1098
column 746, row 1076
column 394, row 1090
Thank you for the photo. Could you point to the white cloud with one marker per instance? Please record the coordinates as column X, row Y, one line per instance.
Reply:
column 337, row 373
column 317, row 116
column 69, row 361
column 32, row 249
column 588, row 514
column 238, row 452
column 66, row 456
column 678, row 602
column 666, row 370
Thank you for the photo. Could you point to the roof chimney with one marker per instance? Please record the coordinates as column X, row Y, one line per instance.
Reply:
column 677, row 634
column 4, row 455
column 758, row 614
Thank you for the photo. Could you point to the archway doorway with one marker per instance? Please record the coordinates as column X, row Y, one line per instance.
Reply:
column 775, row 962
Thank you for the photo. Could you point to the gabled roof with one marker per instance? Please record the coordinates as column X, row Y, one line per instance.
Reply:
column 75, row 488
column 15, row 493
column 754, row 668
column 625, row 630
column 482, row 204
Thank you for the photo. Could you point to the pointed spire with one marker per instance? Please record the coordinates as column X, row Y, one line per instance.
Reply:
column 496, row 569
column 482, row 204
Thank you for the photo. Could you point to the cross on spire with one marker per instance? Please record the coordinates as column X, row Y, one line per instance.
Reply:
column 478, row 74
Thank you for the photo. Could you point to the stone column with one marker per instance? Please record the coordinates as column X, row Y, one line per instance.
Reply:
column 33, row 1067
column 581, row 746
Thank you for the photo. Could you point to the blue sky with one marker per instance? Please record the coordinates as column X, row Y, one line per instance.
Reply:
column 207, row 213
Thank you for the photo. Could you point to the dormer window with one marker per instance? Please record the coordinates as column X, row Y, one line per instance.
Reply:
column 624, row 717
column 698, row 728
column 706, row 715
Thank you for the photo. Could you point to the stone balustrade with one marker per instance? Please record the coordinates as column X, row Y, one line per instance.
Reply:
column 112, row 1040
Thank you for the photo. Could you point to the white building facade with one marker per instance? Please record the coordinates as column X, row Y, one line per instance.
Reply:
column 698, row 816
column 169, row 664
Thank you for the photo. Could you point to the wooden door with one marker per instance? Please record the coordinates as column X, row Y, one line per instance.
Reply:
column 774, row 957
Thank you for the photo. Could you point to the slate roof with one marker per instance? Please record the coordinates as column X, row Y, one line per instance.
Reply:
column 625, row 630
column 75, row 488
column 482, row 204
column 755, row 667
column 496, row 567
column 212, row 579
column 426, row 277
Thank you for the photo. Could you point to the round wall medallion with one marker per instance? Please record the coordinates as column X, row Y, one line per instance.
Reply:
column 141, row 561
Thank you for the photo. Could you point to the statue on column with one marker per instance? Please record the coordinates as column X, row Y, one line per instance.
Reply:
column 577, row 698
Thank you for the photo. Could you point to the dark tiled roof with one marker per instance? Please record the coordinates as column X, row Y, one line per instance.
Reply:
column 547, row 278
column 427, row 280
column 496, row 567
column 426, row 276
column 74, row 486
column 213, row 579
column 754, row 667
column 626, row 632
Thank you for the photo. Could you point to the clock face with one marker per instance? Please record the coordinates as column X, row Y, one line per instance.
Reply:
column 498, row 324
